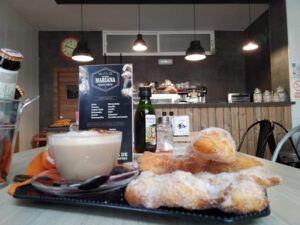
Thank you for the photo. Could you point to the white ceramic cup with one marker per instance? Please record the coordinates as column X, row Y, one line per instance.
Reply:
column 80, row 155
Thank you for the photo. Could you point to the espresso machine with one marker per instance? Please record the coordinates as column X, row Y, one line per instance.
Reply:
column 193, row 95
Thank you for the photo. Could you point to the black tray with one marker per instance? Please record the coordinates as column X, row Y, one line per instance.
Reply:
column 115, row 200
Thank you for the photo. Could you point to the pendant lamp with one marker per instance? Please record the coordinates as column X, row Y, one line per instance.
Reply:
column 195, row 52
column 139, row 45
column 82, row 53
column 250, row 44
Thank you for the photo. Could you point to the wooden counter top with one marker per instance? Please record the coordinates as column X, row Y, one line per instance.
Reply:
column 222, row 104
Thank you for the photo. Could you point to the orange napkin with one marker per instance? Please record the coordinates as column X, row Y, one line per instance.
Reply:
column 39, row 164
column 5, row 160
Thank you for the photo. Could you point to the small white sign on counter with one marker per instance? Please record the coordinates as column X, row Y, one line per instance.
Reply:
column 295, row 81
column 181, row 125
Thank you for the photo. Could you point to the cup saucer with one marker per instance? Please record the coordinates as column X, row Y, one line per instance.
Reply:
column 51, row 182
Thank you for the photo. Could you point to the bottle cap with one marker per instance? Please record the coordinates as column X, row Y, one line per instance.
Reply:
column 145, row 91
column 164, row 119
column 11, row 54
column 10, row 59
column 159, row 119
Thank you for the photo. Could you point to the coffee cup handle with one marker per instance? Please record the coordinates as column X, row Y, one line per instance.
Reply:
column 48, row 157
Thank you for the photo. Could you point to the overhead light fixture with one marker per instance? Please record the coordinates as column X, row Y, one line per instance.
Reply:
column 195, row 52
column 139, row 45
column 82, row 53
column 250, row 44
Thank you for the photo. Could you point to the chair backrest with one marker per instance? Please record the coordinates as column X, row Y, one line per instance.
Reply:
column 265, row 137
column 283, row 140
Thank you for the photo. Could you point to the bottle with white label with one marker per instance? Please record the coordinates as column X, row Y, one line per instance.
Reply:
column 10, row 63
column 145, row 123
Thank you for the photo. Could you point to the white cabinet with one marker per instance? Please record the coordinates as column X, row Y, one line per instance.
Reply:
column 160, row 43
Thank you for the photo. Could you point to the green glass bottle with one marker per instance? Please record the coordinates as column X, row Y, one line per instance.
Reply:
column 145, row 123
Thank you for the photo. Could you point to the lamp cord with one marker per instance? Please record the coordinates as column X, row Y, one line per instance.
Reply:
column 139, row 5
column 249, row 13
column 195, row 20
column 81, row 20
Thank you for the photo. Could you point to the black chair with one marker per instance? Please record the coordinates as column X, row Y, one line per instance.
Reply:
column 281, row 143
column 266, row 136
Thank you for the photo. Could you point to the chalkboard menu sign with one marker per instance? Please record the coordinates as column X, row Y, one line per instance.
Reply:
column 105, row 101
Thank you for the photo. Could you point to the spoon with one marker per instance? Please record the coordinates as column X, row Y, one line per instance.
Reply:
column 96, row 181
column 93, row 182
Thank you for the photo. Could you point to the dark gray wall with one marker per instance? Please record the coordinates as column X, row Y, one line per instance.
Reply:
column 257, row 63
column 50, row 58
column 225, row 70
column 279, row 44
column 221, row 73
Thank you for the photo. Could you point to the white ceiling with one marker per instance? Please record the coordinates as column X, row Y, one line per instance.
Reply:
column 46, row 15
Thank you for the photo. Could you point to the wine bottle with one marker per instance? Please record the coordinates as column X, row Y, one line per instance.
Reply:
column 145, row 123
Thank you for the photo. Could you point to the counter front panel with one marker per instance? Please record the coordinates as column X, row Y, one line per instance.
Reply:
column 235, row 118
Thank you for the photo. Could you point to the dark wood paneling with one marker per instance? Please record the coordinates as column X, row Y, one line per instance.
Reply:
column 61, row 105
column 257, row 63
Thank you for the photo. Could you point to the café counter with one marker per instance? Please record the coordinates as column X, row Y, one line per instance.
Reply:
column 234, row 117
column 284, row 204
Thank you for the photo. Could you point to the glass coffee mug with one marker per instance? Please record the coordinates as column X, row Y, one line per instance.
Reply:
column 10, row 111
column 80, row 155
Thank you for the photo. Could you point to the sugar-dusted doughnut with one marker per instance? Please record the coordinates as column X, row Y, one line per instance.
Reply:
column 215, row 144
column 164, row 163
column 225, row 191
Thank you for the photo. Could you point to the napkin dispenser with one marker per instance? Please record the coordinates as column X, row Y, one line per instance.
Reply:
column 181, row 125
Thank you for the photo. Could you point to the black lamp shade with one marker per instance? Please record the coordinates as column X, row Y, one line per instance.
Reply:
column 82, row 53
column 195, row 52
column 139, row 44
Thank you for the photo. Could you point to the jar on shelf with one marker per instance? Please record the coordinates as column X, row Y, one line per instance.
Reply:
column 283, row 97
column 257, row 95
column 275, row 97
column 267, row 96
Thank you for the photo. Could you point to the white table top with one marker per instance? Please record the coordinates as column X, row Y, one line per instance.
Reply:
column 284, row 204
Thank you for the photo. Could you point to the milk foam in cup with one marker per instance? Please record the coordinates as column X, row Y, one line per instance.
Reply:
column 81, row 155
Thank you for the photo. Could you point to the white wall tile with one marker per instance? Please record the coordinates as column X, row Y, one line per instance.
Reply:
column 293, row 24
column 17, row 34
